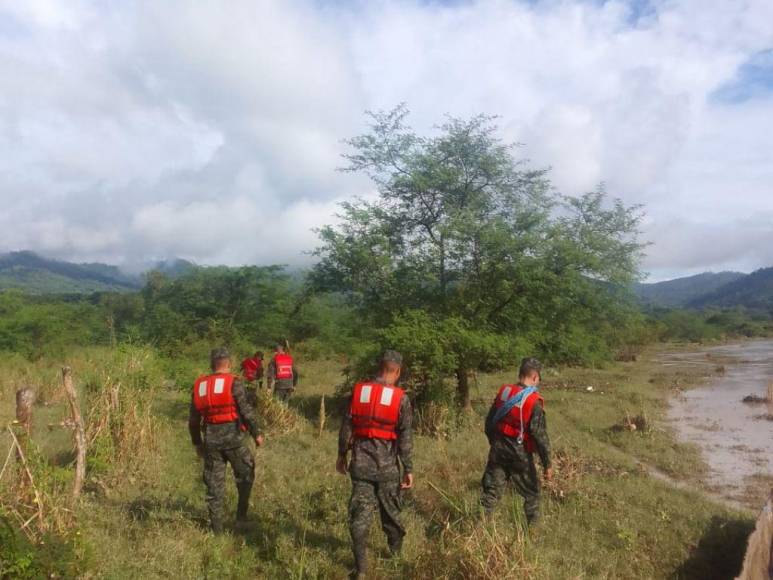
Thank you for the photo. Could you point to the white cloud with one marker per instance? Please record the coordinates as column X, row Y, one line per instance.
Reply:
column 212, row 130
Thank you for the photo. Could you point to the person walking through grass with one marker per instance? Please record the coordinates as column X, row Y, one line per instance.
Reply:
column 282, row 374
column 516, row 428
column 378, row 430
column 219, row 407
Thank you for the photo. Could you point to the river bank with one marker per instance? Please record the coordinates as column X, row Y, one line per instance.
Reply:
column 735, row 438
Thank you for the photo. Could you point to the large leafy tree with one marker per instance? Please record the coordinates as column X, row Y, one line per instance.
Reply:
column 473, row 239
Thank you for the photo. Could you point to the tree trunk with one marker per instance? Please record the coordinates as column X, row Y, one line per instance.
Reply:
column 463, row 389
column 443, row 281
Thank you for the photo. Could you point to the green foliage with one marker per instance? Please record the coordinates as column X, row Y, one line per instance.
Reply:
column 19, row 559
column 37, row 326
column 708, row 325
column 481, row 245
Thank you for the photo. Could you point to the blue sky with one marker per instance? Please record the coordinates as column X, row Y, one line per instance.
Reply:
column 753, row 79
column 140, row 130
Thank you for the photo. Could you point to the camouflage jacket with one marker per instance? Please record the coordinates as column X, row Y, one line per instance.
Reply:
column 224, row 435
column 379, row 459
column 503, row 448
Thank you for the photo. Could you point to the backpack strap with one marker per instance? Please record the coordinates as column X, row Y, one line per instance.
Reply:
column 516, row 401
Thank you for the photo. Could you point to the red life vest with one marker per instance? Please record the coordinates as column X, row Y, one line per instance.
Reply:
column 283, row 366
column 375, row 409
column 251, row 368
column 213, row 399
column 510, row 425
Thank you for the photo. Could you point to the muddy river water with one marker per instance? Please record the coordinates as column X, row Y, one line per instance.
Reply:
column 736, row 438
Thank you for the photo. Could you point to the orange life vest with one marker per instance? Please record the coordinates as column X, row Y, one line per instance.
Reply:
column 516, row 423
column 214, row 400
column 375, row 409
column 283, row 366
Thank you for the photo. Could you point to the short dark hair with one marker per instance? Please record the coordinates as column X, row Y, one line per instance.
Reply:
column 391, row 356
column 530, row 365
column 218, row 354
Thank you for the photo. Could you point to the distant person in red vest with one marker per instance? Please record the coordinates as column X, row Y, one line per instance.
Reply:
column 516, row 428
column 252, row 369
column 219, row 407
column 378, row 430
column 282, row 374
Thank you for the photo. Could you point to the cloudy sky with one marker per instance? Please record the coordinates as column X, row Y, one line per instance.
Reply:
column 133, row 131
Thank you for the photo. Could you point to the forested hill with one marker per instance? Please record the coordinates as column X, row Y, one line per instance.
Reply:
column 35, row 274
column 754, row 291
column 681, row 292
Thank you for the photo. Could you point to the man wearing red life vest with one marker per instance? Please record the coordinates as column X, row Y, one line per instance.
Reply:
column 282, row 374
column 252, row 370
column 516, row 428
column 219, row 407
column 378, row 430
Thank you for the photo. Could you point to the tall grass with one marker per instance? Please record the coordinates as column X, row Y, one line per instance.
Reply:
column 143, row 514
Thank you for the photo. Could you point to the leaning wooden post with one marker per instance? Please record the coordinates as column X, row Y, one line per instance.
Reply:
column 322, row 415
column 80, row 435
column 770, row 392
column 25, row 398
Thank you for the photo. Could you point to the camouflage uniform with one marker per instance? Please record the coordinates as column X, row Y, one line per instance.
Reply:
column 283, row 388
column 508, row 460
column 375, row 473
column 224, row 443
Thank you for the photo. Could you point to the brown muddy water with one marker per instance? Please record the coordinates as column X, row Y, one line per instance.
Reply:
column 735, row 438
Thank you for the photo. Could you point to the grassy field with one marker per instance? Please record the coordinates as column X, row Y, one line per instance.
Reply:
column 143, row 514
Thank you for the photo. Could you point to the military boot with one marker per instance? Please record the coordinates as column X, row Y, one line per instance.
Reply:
column 244, row 504
column 395, row 547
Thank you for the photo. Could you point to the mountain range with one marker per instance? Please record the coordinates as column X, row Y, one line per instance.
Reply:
column 35, row 274
column 722, row 290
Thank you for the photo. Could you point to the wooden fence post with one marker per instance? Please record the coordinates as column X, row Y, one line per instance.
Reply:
column 80, row 435
column 25, row 398
column 322, row 415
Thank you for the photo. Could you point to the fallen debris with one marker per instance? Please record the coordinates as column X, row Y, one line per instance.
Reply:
column 754, row 399
column 638, row 423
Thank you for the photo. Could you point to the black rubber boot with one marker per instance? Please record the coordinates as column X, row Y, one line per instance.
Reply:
column 243, row 505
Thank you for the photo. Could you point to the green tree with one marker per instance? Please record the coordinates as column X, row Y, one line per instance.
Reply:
column 468, row 235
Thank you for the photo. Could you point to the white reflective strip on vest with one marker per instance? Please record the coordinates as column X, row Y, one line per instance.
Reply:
column 203, row 389
column 386, row 396
column 219, row 385
column 505, row 394
column 365, row 394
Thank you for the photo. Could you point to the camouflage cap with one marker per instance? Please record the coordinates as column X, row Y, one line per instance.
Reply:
column 392, row 356
column 219, row 354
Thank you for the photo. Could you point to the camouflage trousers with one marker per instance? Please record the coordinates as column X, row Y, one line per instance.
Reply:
column 367, row 498
column 522, row 473
column 243, row 465
column 283, row 394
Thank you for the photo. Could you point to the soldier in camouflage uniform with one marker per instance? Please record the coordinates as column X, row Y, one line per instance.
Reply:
column 511, row 453
column 219, row 406
column 283, row 387
column 381, row 442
